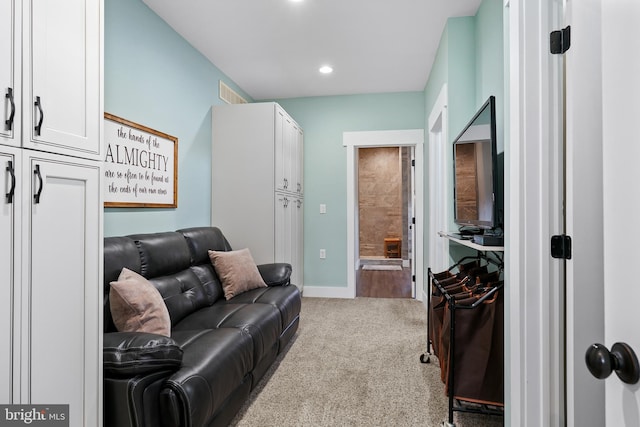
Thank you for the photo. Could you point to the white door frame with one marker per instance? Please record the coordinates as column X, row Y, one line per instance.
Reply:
column 439, row 259
column 390, row 138
column 534, row 346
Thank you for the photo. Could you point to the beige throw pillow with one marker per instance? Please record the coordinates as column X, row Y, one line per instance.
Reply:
column 237, row 271
column 137, row 306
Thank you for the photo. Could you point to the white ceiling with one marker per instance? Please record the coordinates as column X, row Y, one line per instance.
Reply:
column 273, row 48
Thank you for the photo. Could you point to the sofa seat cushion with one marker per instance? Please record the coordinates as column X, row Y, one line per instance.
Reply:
column 214, row 363
column 286, row 299
column 261, row 321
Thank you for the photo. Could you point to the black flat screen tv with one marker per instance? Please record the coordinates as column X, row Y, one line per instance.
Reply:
column 475, row 165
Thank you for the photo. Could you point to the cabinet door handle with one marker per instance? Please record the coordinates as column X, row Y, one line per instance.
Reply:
column 13, row 182
column 9, row 96
column 36, row 196
column 38, row 104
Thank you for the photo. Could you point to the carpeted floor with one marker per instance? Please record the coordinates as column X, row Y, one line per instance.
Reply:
column 355, row 363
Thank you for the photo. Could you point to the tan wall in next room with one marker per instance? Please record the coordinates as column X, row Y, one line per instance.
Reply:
column 379, row 198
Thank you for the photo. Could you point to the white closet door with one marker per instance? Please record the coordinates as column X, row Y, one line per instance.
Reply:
column 9, row 268
column 9, row 72
column 62, row 297
column 62, row 76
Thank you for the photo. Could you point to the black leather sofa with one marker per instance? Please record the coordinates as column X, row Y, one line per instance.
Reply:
column 218, row 349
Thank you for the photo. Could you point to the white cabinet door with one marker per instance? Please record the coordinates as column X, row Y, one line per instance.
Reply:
column 282, row 244
column 288, row 234
column 280, row 150
column 10, row 94
column 297, row 243
column 62, row 69
column 298, row 160
column 9, row 270
column 62, row 296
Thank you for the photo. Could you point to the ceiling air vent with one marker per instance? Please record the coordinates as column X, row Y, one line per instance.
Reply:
column 229, row 95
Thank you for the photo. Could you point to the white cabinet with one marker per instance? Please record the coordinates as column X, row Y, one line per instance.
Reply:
column 257, row 185
column 10, row 249
column 10, row 71
column 288, row 148
column 50, row 75
column 51, row 275
column 51, row 206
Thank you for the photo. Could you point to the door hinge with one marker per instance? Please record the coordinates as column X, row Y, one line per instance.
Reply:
column 560, row 41
column 413, row 162
column 413, row 278
column 561, row 246
column 413, row 220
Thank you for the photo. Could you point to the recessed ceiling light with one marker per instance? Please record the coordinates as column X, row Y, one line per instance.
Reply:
column 325, row 69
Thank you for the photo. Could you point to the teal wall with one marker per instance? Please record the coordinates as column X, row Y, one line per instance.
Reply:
column 324, row 119
column 470, row 61
column 153, row 77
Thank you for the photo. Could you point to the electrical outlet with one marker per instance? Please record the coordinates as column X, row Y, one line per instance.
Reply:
column 323, row 253
column 323, row 208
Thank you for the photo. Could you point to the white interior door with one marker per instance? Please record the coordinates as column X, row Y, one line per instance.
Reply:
column 602, row 108
column 438, row 170
column 621, row 151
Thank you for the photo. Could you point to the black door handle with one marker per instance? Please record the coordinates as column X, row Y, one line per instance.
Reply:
column 12, row 190
column 9, row 121
column 36, row 172
column 38, row 127
column 621, row 359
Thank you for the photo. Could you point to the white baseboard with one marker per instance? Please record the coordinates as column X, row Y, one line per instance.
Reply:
column 425, row 300
column 327, row 292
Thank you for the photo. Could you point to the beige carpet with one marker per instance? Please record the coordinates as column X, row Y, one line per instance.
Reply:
column 355, row 363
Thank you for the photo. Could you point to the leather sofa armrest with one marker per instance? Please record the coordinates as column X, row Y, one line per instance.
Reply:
column 128, row 354
column 276, row 274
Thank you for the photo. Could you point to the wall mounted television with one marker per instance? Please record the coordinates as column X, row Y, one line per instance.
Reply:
column 475, row 165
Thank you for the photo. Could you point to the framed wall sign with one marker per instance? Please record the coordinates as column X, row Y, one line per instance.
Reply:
column 140, row 167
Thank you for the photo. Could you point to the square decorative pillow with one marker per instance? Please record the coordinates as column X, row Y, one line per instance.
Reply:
column 137, row 306
column 237, row 270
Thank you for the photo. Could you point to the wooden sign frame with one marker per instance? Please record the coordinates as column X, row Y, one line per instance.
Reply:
column 140, row 167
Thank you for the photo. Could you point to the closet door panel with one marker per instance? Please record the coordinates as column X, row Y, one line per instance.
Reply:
column 280, row 147
column 9, row 269
column 10, row 72
column 62, row 71
column 297, row 243
column 298, row 161
column 62, row 304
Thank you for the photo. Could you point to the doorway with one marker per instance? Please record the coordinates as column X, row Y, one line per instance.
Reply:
column 385, row 218
column 398, row 138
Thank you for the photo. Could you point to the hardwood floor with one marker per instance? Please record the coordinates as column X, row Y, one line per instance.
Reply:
column 383, row 283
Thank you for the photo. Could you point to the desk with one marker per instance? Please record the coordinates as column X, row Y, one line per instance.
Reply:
column 469, row 243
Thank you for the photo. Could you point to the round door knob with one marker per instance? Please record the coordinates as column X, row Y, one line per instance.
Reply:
column 621, row 359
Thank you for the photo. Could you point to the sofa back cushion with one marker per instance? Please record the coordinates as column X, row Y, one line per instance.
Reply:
column 162, row 253
column 119, row 253
column 182, row 293
column 165, row 261
column 201, row 240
